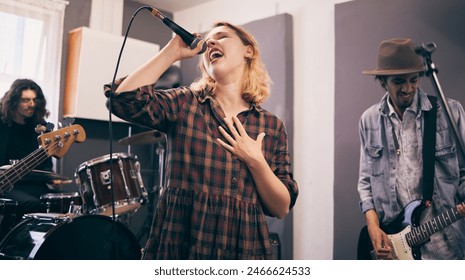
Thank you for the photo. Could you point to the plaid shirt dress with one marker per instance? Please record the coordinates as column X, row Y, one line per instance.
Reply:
column 210, row 208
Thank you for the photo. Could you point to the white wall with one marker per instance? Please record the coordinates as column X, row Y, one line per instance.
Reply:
column 313, row 23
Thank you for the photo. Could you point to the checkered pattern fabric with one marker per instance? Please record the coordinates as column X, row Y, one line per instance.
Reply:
column 210, row 208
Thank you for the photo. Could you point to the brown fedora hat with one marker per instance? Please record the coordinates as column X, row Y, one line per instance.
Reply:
column 396, row 57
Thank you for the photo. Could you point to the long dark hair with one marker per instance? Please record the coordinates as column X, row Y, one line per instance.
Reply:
column 10, row 101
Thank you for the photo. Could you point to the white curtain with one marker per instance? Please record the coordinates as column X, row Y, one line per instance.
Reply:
column 31, row 36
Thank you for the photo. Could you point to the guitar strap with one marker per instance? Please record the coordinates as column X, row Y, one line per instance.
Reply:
column 429, row 144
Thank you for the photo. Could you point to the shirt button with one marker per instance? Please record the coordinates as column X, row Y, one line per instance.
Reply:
column 234, row 180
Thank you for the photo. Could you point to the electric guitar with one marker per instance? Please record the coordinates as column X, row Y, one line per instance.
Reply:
column 55, row 143
column 405, row 234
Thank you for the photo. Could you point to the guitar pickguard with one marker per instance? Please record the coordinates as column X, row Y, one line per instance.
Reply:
column 400, row 250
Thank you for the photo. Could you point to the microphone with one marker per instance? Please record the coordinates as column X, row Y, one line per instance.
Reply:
column 425, row 49
column 188, row 38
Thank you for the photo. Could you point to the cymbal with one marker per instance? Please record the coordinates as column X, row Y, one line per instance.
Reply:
column 37, row 175
column 149, row 137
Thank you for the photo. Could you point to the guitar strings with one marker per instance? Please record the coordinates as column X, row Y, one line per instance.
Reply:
column 38, row 155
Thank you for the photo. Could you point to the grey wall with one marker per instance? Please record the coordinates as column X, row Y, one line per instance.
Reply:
column 277, row 54
column 360, row 26
column 145, row 27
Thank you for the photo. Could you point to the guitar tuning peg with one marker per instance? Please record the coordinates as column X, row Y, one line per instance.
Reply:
column 68, row 121
column 40, row 129
column 49, row 127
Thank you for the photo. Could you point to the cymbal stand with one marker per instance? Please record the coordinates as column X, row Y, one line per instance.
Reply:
column 155, row 192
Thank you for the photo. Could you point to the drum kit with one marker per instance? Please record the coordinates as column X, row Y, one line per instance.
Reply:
column 91, row 222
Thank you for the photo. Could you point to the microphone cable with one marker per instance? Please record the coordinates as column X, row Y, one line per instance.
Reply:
column 110, row 127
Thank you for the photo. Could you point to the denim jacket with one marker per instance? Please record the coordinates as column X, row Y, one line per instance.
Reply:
column 377, row 176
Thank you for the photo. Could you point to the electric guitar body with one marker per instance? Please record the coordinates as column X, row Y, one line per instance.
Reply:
column 405, row 233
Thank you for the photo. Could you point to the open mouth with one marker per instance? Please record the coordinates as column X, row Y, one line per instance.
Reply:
column 215, row 54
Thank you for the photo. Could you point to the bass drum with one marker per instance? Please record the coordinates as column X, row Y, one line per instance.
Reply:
column 42, row 236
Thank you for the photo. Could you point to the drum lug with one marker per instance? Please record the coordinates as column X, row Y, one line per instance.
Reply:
column 105, row 177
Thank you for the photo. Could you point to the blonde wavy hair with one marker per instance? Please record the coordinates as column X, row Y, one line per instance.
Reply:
column 255, row 81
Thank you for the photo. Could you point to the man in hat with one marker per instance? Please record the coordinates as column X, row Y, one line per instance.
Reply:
column 391, row 175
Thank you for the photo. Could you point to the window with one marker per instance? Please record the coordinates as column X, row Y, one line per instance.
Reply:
column 31, row 36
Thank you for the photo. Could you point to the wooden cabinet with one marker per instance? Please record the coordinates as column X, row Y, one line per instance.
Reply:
column 91, row 63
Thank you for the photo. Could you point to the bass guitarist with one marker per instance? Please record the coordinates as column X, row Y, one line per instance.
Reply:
column 22, row 108
column 391, row 161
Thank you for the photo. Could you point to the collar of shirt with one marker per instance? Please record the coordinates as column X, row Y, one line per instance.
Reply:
column 204, row 96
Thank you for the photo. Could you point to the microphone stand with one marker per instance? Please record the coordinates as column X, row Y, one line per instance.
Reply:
column 426, row 51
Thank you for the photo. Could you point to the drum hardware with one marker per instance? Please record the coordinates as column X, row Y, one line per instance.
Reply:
column 37, row 175
column 94, row 182
column 8, row 215
column 50, row 217
column 62, row 202
column 6, row 257
column 156, row 191
column 66, row 182
column 149, row 137
column 43, row 232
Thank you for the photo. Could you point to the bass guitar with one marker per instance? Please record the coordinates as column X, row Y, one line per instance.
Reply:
column 405, row 234
column 54, row 143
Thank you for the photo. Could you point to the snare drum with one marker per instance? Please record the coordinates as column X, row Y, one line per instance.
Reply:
column 41, row 236
column 62, row 202
column 93, row 179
